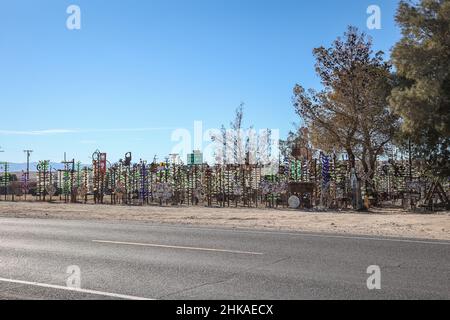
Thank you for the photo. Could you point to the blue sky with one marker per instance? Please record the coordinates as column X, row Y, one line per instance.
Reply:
column 139, row 69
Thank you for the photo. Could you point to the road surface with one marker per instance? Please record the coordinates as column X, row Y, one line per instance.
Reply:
column 121, row 260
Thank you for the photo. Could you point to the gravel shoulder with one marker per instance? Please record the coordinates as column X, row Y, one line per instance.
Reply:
column 377, row 222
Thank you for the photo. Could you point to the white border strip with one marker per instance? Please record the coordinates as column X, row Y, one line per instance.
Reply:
column 52, row 286
column 175, row 247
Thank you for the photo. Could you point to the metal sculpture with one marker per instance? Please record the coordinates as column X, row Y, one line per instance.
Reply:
column 6, row 177
column 312, row 177
column 43, row 178
column 24, row 183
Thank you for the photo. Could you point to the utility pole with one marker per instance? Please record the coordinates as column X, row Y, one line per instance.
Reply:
column 28, row 152
column 27, row 175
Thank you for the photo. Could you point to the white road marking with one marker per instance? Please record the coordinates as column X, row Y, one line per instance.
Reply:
column 94, row 292
column 176, row 247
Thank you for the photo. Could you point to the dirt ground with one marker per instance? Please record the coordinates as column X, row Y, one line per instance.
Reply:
column 380, row 222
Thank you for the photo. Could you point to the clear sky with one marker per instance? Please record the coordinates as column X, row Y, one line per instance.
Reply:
column 139, row 69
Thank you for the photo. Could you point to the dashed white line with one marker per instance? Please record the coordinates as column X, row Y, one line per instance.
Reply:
column 94, row 292
column 176, row 247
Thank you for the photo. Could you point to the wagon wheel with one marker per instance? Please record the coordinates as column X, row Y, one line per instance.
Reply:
column 294, row 202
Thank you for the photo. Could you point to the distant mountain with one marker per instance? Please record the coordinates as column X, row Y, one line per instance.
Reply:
column 18, row 167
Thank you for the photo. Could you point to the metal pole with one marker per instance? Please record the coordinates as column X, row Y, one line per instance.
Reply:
column 28, row 152
column 27, row 176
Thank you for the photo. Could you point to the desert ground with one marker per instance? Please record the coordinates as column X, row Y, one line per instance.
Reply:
column 392, row 222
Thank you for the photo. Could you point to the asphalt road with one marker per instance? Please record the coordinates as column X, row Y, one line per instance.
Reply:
column 119, row 260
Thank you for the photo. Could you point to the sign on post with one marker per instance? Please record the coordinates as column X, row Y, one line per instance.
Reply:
column 195, row 158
